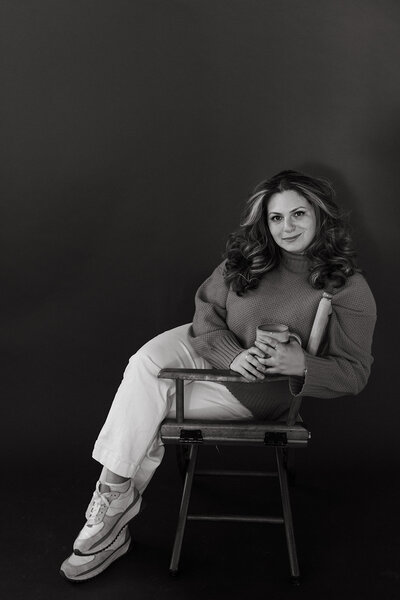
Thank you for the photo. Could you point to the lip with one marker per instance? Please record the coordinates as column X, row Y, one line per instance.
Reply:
column 291, row 239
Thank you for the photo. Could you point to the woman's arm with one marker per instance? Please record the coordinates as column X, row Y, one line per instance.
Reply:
column 209, row 333
column 344, row 365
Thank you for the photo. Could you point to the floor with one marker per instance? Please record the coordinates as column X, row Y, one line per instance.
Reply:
column 346, row 523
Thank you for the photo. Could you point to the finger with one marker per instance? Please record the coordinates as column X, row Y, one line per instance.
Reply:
column 257, row 374
column 249, row 367
column 242, row 371
column 264, row 361
column 272, row 371
column 275, row 347
column 269, row 362
column 260, row 366
column 255, row 361
column 256, row 352
column 261, row 346
column 247, row 374
column 270, row 342
column 267, row 347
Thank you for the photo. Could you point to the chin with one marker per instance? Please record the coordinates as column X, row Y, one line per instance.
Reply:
column 294, row 249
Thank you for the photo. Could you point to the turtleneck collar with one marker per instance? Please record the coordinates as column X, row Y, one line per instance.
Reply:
column 296, row 263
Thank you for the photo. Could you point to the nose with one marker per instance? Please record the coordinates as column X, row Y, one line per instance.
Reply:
column 288, row 225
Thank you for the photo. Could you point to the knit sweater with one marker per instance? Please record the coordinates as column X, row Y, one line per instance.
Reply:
column 225, row 324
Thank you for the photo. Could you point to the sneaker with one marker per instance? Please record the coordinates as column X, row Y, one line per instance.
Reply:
column 79, row 568
column 107, row 513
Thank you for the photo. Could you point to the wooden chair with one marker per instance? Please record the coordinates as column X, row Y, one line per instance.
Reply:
column 190, row 435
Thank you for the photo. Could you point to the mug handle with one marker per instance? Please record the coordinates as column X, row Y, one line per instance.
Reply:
column 295, row 337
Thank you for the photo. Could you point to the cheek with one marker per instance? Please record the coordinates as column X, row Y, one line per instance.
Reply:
column 274, row 230
column 312, row 228
column 309, row 227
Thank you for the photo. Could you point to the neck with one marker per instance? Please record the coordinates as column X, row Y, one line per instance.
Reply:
column 297, row 263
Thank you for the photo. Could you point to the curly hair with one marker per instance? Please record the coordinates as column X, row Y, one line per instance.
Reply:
column 251, row 251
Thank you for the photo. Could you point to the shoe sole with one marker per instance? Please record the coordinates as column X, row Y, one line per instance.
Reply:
column 90, row 573
column 117, row 528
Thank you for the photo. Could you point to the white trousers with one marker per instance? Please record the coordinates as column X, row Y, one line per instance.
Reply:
column 129, row 443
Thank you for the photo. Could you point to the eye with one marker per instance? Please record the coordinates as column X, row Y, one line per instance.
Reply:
column 299, row 213
column 275, row 218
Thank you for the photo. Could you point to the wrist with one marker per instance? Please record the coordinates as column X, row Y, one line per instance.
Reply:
column 301, row 371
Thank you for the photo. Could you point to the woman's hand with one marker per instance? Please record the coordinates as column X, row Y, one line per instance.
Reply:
column 248, row 364
column 285, row 359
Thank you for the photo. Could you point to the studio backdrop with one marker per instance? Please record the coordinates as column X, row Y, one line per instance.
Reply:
column 131, row 134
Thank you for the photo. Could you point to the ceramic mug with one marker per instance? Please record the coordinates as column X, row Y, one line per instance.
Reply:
column 278, row 331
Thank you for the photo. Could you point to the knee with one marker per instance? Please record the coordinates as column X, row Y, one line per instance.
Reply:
column 141, row 363
column 168, row 348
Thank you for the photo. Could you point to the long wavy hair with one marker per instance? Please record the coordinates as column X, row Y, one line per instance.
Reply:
column 251, row 251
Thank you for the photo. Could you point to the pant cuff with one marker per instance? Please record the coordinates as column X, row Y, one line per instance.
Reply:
column 114, row 463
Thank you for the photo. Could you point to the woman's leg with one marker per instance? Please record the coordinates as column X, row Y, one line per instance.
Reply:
column 129, row 445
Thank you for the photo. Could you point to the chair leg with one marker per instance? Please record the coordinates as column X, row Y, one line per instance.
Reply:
column 287, row 515
column 289, row 464
column 183, row 511
column 182, row 458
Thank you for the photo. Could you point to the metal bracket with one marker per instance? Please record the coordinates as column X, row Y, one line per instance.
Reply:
column 275, row 438
column 191, row 436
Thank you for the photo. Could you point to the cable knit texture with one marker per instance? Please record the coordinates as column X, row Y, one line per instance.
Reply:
column 225, row 324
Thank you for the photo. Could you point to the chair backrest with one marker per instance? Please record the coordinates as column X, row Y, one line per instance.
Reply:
column 321, row 319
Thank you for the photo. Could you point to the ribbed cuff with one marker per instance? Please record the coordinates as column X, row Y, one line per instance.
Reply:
column 296, row 385
column 224, row 351
column 310, row 384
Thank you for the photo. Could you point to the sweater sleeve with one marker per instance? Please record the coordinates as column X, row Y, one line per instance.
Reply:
column 209, row 333
column 344, row 365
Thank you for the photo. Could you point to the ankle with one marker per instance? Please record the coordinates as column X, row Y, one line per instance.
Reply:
column 111, row 477
column 110, row 486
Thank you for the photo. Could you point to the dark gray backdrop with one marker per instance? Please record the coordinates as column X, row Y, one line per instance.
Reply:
column 132, row 132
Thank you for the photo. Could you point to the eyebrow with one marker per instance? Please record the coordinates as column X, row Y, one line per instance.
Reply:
column 292, row 211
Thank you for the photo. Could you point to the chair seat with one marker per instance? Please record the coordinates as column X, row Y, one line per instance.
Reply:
column 235, row 432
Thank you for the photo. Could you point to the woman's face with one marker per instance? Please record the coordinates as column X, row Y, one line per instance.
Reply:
column 291, row 221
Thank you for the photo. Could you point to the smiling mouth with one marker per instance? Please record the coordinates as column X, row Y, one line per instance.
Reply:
column 291, row 239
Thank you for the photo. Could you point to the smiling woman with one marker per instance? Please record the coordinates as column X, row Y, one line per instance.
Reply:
column 291, row 221
column 291, row 245
column 297, row 213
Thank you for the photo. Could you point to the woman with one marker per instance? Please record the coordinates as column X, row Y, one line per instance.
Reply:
column 291, row 246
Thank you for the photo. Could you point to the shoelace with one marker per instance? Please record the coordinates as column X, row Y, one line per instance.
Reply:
column 98, row 506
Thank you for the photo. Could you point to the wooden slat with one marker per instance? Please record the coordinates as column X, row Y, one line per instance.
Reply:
column 234, row 473
column 239, row 425
column 237, row 518
column 218, row 375
column 231, row 432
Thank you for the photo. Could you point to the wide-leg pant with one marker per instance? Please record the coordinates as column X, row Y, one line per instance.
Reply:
column 129, row 443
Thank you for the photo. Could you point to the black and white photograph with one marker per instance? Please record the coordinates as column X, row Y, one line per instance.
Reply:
column 200, row 289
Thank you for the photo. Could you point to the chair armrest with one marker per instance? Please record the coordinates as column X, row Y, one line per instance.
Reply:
column 218, row 375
